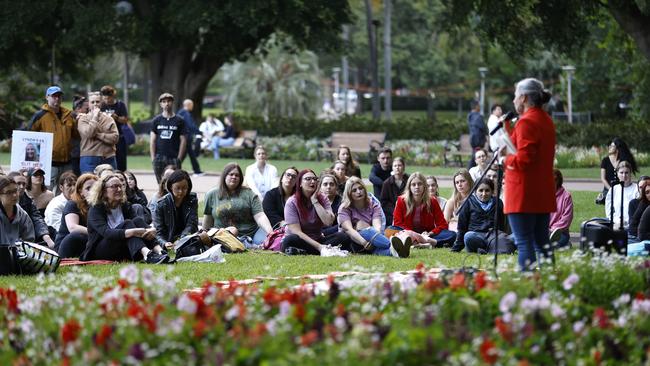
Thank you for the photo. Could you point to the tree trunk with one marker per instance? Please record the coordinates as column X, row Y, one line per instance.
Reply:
column 388, row 86
column 176, row 72
column 374, row 73
column 634, row 22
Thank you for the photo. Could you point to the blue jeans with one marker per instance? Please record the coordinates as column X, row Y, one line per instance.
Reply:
column 219, row 141
column 255, row 241
column 475, row 240
column 445, row 238
column 531, row 237
column 378, row 240
column 87, row 164
column 564, row 240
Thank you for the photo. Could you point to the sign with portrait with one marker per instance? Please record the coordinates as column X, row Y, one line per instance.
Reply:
column 32, row 150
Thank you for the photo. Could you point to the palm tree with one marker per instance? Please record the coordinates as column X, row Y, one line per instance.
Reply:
column 277, row 80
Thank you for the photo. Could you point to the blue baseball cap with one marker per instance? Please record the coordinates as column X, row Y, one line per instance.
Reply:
column 53, row 90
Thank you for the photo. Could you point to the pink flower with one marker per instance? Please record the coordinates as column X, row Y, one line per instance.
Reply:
column 507, row 302
column 570, row 281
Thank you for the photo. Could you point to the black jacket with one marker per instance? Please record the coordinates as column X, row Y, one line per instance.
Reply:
column 377, row 177
column 165, row 218
column 98, row 228
column 389, row 193
column 472, row 217
column 273, row 205
column 138, row 197
column 40, row 227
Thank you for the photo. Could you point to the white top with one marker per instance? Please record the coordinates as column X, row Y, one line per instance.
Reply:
column 261, row 182
column 493, row 121
column 442, row 202
column 115, row 217
column 629, row 193
column 208, row 129
column 476, row 173
column 54, row 211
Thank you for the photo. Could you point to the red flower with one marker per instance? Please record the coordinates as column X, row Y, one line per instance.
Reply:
column 123, row 283
column 70, row 331
column 433, row 284
column 503, row 328
column 299, row 312
column 457, row 281
column 639, row 296
column 488, row 352
column 480, row 280
column 103, row 335
column 308, row 338
column 271, row 296
column 420, row 267
column 597, row 357
column 340, row 309
column 199, row 328
column 10, row 297
column 601, row 318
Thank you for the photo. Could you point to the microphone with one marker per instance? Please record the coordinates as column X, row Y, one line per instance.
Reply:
column 508, row 116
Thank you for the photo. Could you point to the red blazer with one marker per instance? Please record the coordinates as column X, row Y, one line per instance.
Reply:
column 433, row 221
column 530, row 187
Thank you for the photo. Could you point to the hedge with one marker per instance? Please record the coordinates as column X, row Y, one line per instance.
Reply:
column 636, row 134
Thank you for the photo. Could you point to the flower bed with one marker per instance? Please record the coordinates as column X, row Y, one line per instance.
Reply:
column 590, row 310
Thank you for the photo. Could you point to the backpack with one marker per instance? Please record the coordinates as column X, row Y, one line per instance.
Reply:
column 273, row 240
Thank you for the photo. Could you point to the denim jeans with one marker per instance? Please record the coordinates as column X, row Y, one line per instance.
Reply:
column 531, row 237
column 563, row 241
column 475, row 240
column 377, row 239
column 87, row 164
column 219, row 141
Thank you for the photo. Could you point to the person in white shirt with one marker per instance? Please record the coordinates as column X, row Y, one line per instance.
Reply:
column 54, row 210
column 210, row 128
column 630, row 191
column 493, row 121
column 261, row 177
column 481, row 159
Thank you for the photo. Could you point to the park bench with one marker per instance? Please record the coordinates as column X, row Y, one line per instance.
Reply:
column 453, row 153
column 367, row 143
column 244, row 145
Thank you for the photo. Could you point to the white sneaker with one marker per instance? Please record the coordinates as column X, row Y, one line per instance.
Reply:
column 330, row 251
column 198, row 175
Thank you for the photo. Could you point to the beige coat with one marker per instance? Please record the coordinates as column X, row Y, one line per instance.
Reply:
column 98, row 138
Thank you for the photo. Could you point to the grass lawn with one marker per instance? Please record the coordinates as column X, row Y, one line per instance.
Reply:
column 255, row 263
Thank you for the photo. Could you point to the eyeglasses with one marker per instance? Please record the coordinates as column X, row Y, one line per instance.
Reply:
column 115, row 186
column 290, row 175
column 9, row 193
column 309, row 179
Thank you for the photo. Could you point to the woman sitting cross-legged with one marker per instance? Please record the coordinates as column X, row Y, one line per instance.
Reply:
column 275, row 199
column 476, row 222
column 73, row 233
column 419, row 216
column 15, row 223
column 115, row 232
column 361, row 218
column 328, row 186
column 306, row 213
column 236, row 208
column 177, row 211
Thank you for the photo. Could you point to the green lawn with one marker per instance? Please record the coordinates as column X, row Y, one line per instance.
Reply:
column 210, row 165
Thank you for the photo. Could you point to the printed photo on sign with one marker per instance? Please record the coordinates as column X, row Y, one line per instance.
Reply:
column 31, row 150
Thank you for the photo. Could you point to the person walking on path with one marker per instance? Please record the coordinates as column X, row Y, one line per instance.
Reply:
column 191, row 132
column 168, row 137
column 58, row 120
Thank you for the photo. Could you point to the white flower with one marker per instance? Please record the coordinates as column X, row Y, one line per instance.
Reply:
column 557, row 311
column 641, row 306
column 555, row 327
column 129, row 273
column 570, row 281
column 284, row 309
column 621, row 300
column 232, row 313
column 186, row 304
column 578, row 326
column 147, row 277
column 507, row 302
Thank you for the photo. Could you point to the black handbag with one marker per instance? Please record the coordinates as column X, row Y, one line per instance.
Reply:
column 189, row 245
column 9, row 260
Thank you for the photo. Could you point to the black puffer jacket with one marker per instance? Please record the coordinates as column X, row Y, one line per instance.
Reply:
column 165, row 218
column 472, row 217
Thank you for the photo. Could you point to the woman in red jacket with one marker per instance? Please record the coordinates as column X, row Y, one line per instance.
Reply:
column 530, row 187
column 420, row 216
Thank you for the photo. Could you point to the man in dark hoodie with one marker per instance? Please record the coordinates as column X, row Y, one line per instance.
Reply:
column 381, row 170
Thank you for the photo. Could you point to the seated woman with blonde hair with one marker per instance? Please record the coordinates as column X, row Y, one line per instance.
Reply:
column 463, row 183
column 419, row 216
column 361, row 218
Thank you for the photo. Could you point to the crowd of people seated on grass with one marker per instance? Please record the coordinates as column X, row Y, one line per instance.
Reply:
column 106, row 215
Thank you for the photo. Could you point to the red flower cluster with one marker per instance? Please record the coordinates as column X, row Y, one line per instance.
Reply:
column 457, row 281
column 488, row 352
column 9, row 297
column 70, row 331
column 601, row 318
column 504, row 329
